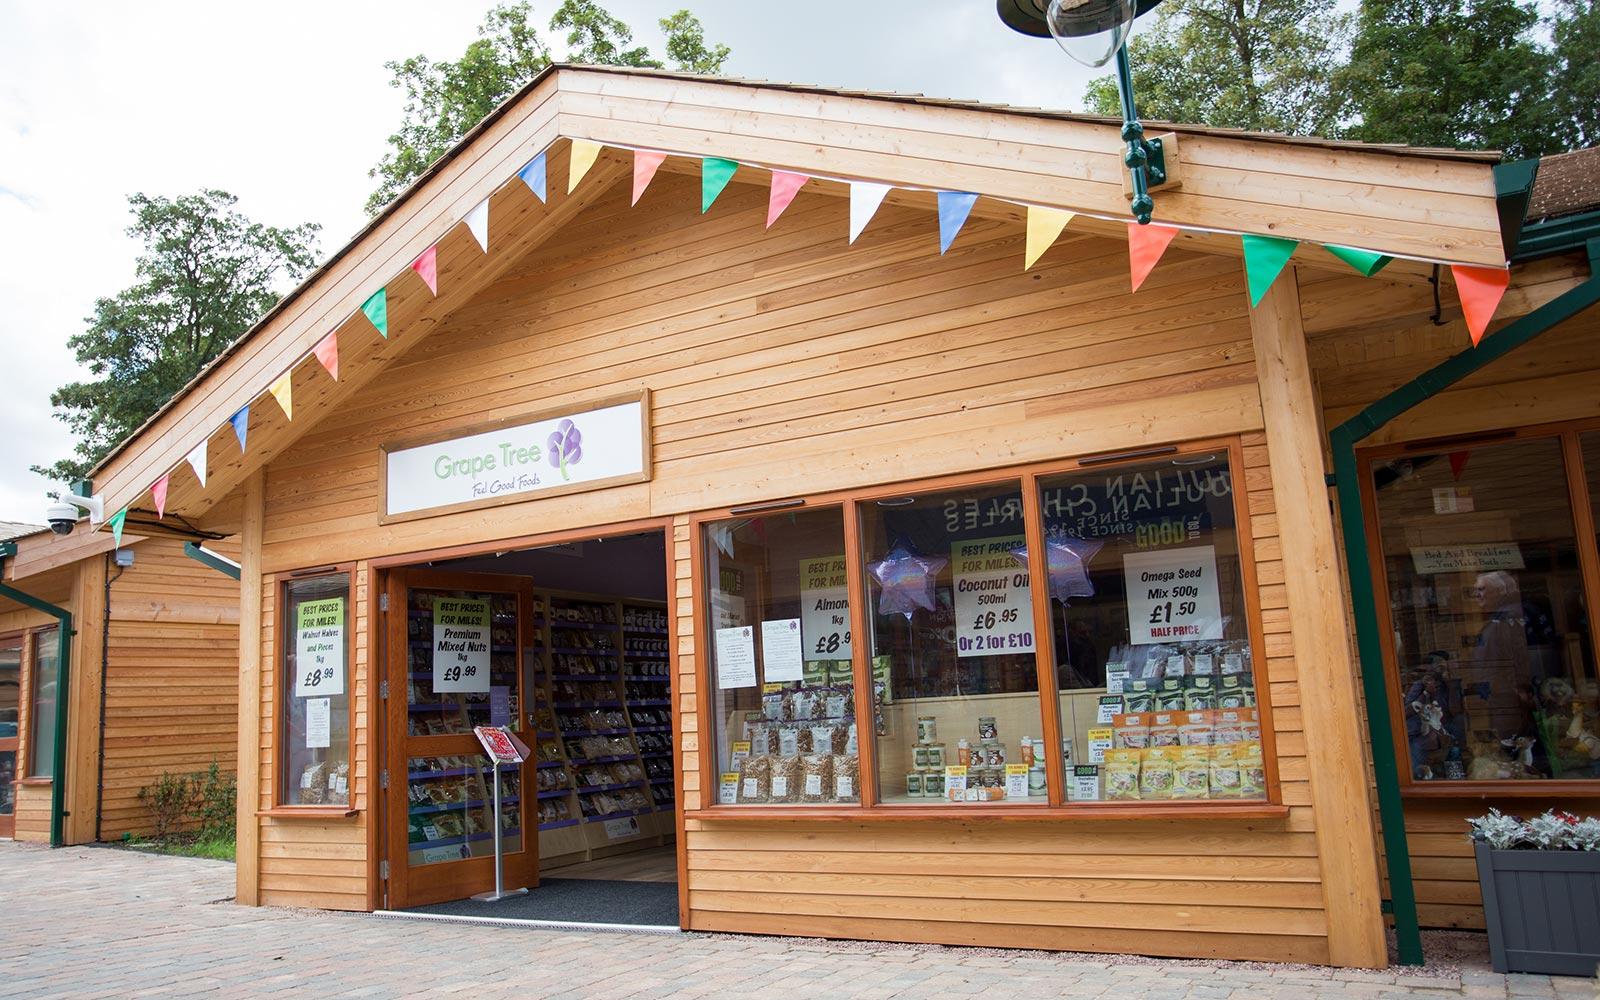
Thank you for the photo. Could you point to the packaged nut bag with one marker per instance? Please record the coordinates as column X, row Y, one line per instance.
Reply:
column 1225, row 773
column 1158, row 772
column 1193, row 777
column 1121, row 772
column 846, row 778
column 755, row 778
column 786, row 781
column 816, row 777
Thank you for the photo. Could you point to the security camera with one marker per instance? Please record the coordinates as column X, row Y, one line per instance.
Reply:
column 62, row 513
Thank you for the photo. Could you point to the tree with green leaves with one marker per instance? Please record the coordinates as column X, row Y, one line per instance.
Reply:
column 444, row 100
column 206, row 274
column 1461, row 73
column 1575, row 30
column 1262, row 65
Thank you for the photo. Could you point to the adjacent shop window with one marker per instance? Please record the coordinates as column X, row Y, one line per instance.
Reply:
column 951, row 643
column 1151, row 636
column 780, row 650
column 1490, row 626
column 316, row 692
column 10, row 712
column 42, row 704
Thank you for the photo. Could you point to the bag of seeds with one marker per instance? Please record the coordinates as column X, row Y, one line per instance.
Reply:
column 1164, row 729
column 755, row 778
column 786, row 783
column 1158, row 772
column 1194, row 729
column 1193, row 777
column 1138, row 695
column 1252, row 771
column 1131, row 730
column 1236, row 692
column 1121, row 772
column 846, row 778
column 1225, row 776
column 816, row 777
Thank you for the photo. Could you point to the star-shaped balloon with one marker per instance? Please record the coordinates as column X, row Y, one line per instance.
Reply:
column 1066, row 564
column 906, row 581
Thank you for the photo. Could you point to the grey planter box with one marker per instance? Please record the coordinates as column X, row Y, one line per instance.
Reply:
column 1542, row 909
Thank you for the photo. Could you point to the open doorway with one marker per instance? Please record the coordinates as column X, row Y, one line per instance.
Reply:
column 581, row 667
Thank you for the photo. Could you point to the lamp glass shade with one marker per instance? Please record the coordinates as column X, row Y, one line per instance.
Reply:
column 1090, row 31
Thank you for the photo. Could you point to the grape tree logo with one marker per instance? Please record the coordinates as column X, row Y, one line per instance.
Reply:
column 566, row 446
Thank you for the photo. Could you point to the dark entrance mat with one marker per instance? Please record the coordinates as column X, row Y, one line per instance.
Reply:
column 576, row 900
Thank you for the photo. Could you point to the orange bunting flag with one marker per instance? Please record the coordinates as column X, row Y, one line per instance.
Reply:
column 158, row 492
column 327, row 352
column 1146, row 244
column 785, row 185
column 645, row 164
column 427, row 268
column 1481, row 289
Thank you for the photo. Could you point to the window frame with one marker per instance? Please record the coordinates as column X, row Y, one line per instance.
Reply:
column 1057, row 807
column 283, row 684
column 25, row 731
column 1567, row 435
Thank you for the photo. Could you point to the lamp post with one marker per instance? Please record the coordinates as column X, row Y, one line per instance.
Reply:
column 1094, row 32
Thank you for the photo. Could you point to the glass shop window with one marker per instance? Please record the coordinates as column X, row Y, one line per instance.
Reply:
column 782, row 693
column 955, row 677
column 1151, row 641
column 316, row 692
column 42, row 704
column 1490, row 629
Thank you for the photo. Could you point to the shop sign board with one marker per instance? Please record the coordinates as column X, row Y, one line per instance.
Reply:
column 825, row 609
column 460, row 645
column 1173, row 595
column 541, row 455
column 498, row 743
column 319, row 648
column 1480, row 558
column 993, row 602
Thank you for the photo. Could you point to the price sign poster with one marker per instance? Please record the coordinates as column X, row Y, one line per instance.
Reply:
column 994, row 605
column 1172, row 595
column 319, row 648
column 460, row 645
column 824, row 609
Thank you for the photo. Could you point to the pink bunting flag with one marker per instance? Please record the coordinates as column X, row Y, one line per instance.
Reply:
column 785, row 185
column 1146, row 244
column 158, row 492
column 427, row 267
column 645, row 164
column 1481, row 289
column 327, row 352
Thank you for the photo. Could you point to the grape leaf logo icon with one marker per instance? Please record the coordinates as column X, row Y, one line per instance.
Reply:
column 566, row 446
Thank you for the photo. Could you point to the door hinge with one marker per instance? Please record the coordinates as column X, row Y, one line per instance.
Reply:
column 383, row 870
column 383, row 602
column 383, row 778
column 383, row 689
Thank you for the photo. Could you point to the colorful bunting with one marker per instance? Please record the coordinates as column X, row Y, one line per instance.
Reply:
column 427, row 267
column 865, row 197
column 584, row 153
column 1481, row 289
column 785, row 185
column 1044, row 226
column 327, row 352
column 532, row 174
column 241, row 425
column 158, row 493
column 1458, row 463
column 283, row 391
column 1365, row 261
column 1264, row 260
column 197, row 462
column 376, row 309
column 477, row 221
column 1146, row 244
column 116, row 523
column 715, row 173
column 954, row 207
column 645, row 164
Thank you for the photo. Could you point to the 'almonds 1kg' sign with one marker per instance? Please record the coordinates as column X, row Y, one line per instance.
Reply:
column 542, row 455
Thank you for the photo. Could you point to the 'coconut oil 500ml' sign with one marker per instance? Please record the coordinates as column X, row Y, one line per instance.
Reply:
column 546, row 455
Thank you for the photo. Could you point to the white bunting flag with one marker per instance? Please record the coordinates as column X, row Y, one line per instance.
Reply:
column 865, row 197
column 478, row 221
column 197, row 461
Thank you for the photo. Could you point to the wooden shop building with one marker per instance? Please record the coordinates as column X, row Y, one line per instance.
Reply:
column 716, row 453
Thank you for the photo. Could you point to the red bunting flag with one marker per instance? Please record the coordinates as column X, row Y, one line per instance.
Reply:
column 427, row 267
column 1458, row 464
column 645, row 164
column 327, row 352
column 785, row 185
column 1146, row 244
column 158, row 492
column 1481, row 289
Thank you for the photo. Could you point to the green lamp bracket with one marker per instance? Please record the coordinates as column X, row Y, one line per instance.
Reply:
column 1152, row 163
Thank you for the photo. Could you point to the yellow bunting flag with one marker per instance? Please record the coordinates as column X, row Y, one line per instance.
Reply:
column 282, row 391
column 1044, row 226
column 584, row 154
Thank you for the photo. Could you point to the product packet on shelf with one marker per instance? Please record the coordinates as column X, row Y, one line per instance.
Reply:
column 1131, row 730
column 1194, row 729
column 1252, row 771
column 1158, row 772
column 846, row 775
column 1164, row 729
column 1121, row 774
column 785, row 785
column 1199, row 693
column 816, row 777
column 1225, row 776
column 1170, row 697
column 755, row 779
column 1193, row 775
column 1138, row 695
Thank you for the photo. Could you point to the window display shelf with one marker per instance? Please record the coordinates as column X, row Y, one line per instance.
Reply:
column 550, row 763
column 624, row 814
column 652, row 729
column 554, row 793
column 430, row 809
column 558, row 824
column 648, row 679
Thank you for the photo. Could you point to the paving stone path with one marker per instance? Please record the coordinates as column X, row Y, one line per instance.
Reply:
column 104, row 922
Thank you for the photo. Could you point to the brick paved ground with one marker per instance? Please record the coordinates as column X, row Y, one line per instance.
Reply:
column 101, row 922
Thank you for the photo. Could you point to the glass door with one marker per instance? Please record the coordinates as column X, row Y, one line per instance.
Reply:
column 10, row 704
column 455, row 647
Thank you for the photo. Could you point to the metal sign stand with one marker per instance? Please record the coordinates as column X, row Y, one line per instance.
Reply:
column 500, row 891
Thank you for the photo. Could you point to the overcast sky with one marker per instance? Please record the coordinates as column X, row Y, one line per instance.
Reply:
column 287, row 106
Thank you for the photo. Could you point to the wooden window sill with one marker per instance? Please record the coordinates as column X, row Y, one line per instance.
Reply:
column 309, row 812
column 1132, row 811
column 35, row 782
column 1587, row 788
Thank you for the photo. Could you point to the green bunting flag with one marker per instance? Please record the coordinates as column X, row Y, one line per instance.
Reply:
column 377, row 310
column 714, row 176
column 116, row 526
column 1365, row 261
column 1264, row 258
